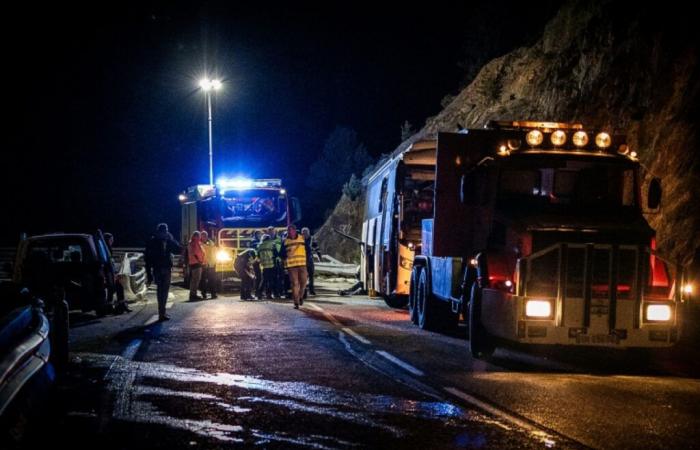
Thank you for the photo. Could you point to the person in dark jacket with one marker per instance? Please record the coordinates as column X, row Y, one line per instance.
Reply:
column 244, row 268
column 311, row 248
column 159, row 263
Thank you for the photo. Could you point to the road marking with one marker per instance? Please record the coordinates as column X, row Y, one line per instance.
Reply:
column 131, row 349
column 356, row 336
column 169, row 305
column 315, row 306
column 534, row 430
column 328, row 316
column 404, row 365
column 151, row 320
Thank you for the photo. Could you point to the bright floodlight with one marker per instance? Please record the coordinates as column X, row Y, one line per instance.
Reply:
column 207, row 85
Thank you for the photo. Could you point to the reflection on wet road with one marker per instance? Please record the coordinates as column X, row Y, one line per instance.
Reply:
column 134, row 385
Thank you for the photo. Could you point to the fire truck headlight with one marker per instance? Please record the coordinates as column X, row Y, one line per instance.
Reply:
column 603, row 140
column 223, row 256
column 538, row 308
column 658, row 313
column 534, row 138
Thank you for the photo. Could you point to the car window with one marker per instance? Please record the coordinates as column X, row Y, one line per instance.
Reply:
column 58, row 252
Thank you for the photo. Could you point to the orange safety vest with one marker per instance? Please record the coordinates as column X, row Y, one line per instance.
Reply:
column 296, row 252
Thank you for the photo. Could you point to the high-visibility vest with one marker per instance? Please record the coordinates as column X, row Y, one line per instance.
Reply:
column 210, row 250
column 296, row 252
column 266, row 251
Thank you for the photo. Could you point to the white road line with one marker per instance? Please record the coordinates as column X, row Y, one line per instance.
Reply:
column 151, row 320
column 534, row 430
column 356, row 336
column 169, row 305
column 332, row 319
column 131, row 349
column 404, row 365
column 315, row 306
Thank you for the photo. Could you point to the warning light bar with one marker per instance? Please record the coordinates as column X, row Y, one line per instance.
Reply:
column 247, row 183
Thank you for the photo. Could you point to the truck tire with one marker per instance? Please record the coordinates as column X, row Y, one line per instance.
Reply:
column 426, row 303
column 412, row 296
column 481, row 344
column 396, row 301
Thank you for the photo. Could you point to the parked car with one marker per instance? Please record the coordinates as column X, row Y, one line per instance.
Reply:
column 80, row 265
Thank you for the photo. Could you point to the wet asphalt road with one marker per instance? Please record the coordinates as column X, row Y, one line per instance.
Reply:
column 347, row 373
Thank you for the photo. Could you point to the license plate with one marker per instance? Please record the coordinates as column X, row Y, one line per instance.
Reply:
column 597, row 339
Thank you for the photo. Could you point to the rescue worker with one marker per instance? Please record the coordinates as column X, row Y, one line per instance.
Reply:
column 244, row 268
column 195, row 262
column 159, row 263
column 116, row 287
column 267, row 252
column 209, row 279
column 311, row 248
column 278, row 287
column 255, row 244
column 294, row 256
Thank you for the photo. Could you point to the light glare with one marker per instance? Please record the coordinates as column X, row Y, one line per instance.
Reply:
column 659, row 313
column 538, row 308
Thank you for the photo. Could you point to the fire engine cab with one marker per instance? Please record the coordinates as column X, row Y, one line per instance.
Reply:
column 232, row 211
column 533, row 231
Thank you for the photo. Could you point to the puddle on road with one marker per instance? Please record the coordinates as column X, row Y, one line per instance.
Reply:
column 131, row 382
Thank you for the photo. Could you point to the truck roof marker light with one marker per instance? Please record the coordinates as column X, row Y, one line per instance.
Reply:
column 580, row 139
column 558, row 138
column 534, row 138
column 603, row 140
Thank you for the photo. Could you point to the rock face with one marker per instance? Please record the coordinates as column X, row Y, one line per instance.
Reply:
column 609, row 66
column 346, row 217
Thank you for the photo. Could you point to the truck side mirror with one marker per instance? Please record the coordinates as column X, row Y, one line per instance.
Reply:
column 654, row 194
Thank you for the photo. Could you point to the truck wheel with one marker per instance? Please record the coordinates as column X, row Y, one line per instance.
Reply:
column 481, row 345
column 428, row 311
column 413, row 294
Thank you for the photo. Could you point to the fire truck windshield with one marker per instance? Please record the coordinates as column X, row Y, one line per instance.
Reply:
column 569, row 182
column 261, row 206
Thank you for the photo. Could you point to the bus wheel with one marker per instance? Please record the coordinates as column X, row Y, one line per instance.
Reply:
column 481, row 345
column 428, row 311
column 396, row 301
column 413, row 294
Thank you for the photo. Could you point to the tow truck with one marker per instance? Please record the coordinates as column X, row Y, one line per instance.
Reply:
column 232, row 210
column 532, row 231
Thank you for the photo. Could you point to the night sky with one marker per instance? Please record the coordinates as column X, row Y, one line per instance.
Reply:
column 106, row 124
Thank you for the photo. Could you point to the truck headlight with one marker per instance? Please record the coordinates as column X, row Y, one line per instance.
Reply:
column 658, row 313
column 223, row 256
column 538, row 308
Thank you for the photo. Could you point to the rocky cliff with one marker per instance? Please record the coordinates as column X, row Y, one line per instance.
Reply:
column 608, row 65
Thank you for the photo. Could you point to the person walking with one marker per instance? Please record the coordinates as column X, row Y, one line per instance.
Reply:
column 294, row 256
column 195, row 262
column 257, row 269
column 311, row 248
column 209, row 281
column 159, row 264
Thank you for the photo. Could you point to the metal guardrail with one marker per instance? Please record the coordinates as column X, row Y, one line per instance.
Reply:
column 26, row 358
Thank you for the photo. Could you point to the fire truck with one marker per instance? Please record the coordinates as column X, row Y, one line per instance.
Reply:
column 532, row 231
column 232, row 210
